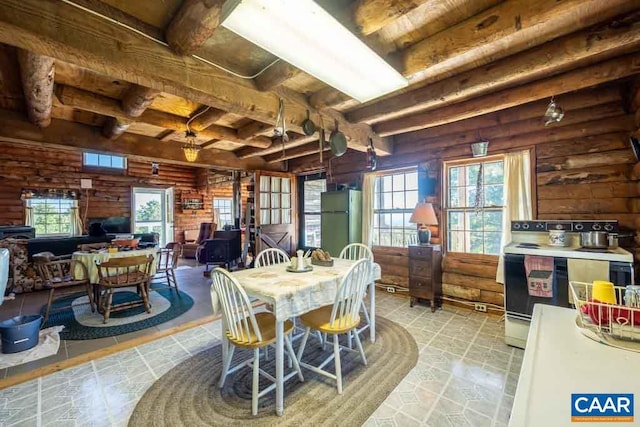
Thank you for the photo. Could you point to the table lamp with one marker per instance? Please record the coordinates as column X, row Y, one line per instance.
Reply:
column 424, row 215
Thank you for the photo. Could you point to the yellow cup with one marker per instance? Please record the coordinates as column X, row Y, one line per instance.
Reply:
column 113, row 250
column 603, row 291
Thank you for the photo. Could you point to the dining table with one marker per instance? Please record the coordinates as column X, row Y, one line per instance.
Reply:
column 89, row 260
column 292, row 294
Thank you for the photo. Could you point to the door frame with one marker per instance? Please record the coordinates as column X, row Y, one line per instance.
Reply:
column 294, row 208
column 167, row 210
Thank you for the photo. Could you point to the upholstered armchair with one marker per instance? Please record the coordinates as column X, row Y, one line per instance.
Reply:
column 190, row 248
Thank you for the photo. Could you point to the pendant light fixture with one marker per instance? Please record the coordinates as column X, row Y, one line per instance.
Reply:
column 190, row 148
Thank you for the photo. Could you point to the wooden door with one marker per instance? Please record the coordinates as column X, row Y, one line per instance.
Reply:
column 276, row 211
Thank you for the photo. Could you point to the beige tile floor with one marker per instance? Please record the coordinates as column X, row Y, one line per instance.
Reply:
column 465, row 376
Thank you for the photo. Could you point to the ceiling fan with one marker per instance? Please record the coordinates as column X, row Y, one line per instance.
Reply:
column 554, row 113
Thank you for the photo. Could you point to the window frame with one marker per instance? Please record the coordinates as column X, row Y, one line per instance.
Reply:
column 407, row 210
column 112, row 169
column 447, row 164
column 301, row 206
column 51, row 201
column 220, row 226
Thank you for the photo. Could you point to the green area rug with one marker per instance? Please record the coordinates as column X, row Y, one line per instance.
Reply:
column 188, row 394
column 81, row 324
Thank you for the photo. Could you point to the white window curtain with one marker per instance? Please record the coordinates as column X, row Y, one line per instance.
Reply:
column 368, row 194
column 76, row 222
column 29, row 219
column 517, row 198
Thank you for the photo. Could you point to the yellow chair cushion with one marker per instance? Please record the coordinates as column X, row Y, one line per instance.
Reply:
column 267, row 325
column 320, row 319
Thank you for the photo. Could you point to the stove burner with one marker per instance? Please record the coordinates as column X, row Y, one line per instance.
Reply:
column 528, row 245
column 595, row 250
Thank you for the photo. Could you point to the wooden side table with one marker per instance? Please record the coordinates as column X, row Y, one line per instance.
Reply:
column 425, row 273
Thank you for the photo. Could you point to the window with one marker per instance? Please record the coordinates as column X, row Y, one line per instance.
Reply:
column 223, row 208
column 395, row 197
column 51, row 216
column 275, row 200
column 311, row 190
column 474, row 206
column 104, row 161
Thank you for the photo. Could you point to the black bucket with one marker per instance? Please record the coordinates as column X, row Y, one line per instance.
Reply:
column 20, row 333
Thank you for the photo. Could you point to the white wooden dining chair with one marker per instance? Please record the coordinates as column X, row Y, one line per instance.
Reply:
column 271, row 256
column 340, row 318
column 354, row 252
column 246, row 329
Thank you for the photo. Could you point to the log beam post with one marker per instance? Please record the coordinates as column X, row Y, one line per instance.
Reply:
column 37, row 73
column 192, row 26
column 137, row 99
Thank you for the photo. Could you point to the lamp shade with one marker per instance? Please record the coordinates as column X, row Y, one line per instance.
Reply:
column 423, row 213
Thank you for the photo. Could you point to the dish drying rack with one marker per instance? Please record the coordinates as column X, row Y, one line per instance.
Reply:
column 616, row 325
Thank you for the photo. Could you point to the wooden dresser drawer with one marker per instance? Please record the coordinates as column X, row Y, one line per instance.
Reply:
column 420, row 252
column 421, row 288
column 420, row 268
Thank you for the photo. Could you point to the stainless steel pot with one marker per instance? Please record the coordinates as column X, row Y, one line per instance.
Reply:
column 594, row 240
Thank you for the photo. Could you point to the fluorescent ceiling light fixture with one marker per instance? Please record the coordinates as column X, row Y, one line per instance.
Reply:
column 306, row 36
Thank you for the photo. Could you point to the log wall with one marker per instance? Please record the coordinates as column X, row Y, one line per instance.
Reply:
column 27, row 166
column 583, row 170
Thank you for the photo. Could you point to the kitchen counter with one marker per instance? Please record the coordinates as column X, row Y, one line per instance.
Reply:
column 559, row 361
column 617, row 254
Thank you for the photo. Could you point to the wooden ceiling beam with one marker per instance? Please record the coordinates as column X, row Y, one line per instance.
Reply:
column 246, row 152
column 207, row 118
column 65, row 32
column 61, row 133
column 567, row 53
column 503, row 30
column 193, row 25
column 254, row 128
column 113, row 128
column 569, row 102
column 581, row 78
column 37, row 74
column 275, row 75
column 507, row 28
column 572, row 117
column 137, row 99
column 372, row 15
column 99, row 104
column 303, row 150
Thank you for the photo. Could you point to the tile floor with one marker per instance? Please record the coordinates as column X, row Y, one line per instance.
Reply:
column 465, row 376
column 190, row 280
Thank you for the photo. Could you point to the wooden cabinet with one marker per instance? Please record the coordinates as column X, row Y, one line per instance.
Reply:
column 425, row 273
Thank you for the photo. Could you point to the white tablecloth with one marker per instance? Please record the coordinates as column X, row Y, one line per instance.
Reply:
column 89, row 260
column 293, row 294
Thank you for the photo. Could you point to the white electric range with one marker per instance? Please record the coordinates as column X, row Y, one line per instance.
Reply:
column 532, row 238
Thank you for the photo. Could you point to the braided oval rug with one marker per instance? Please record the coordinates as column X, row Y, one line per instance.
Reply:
column 188, row 394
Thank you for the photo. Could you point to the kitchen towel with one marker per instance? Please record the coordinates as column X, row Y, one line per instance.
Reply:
column 539, row 270
column 586, row 270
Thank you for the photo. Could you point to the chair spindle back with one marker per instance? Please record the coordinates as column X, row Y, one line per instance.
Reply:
column 356, row 251
column 236, row 307
column 123, row 271
column 271, row 256
column 346, row 306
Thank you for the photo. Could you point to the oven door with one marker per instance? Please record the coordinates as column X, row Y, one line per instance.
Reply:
column 518, row 302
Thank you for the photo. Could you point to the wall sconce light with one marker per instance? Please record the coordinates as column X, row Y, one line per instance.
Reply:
column 554, row 113
column 154, row 169
column 479, row 149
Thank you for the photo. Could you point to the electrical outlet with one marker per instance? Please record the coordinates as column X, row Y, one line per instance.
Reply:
column 391, row 289
column 480, row 307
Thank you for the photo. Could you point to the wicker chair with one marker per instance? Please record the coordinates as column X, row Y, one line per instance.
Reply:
column 57, row 273
column 121, row 273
